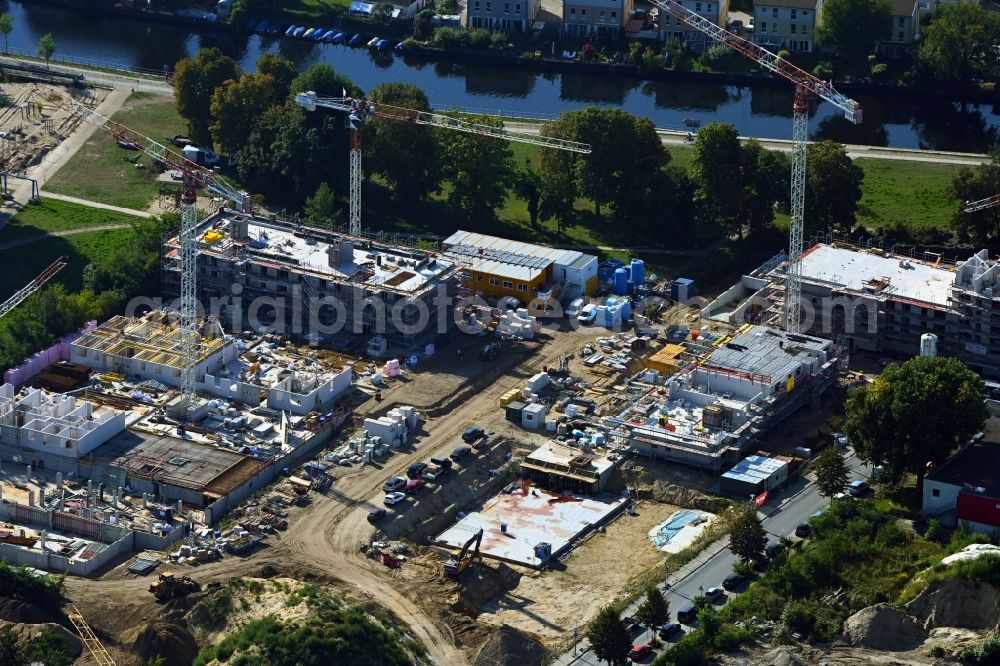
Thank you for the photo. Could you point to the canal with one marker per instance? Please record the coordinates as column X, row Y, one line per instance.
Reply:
column 764, row 111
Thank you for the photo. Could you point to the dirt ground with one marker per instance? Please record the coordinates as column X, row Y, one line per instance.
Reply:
column 551, row 604
column 28, row 135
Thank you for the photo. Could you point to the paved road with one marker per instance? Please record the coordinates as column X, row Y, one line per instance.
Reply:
column 781, row 515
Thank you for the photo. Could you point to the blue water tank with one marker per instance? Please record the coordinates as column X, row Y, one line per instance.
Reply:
column 638, row 267
column 620, row 286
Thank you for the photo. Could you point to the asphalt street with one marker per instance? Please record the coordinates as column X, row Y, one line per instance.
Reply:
column 781, row 514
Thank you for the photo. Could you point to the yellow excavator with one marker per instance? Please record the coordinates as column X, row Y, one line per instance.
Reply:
column 455, row 566
column 170, row 586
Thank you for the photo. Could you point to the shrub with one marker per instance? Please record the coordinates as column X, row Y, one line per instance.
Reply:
column 688, row 651
column 934, row 531
column 784, row 53
column 479, row 38
column 987, row 651
column 446, row 36
column 212, row 613
column 936, row 651
column 716, row 56
column 498, row 41
column 823, row 70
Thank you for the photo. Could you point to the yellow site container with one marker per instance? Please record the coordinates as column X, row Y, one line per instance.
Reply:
column 212, row 237
column 509, row 397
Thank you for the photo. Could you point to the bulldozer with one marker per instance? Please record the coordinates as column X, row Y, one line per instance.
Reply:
column 455, row 566
column 170, row 586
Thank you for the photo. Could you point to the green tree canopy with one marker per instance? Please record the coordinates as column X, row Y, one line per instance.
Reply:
column 281, row 69
column 236, row 105
column 833, row 188
column 973, row 184
column 480, row 169
column 325, row 81
column 46, row 47
column 406, row 154
column 854, row 28
column 528, row 186
column 915, row 414
column 959, row 45
column 831, row 471
column 747, row 539
column 766, row 184
column 654, row 609
column 321, row 206
column 6, row 27
column 195, row 82
column 609, row 637
column 718, row 171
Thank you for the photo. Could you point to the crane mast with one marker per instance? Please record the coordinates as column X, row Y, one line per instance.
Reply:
column 33, row 286
column 194, row 176
column 982, row 204
column 805, row 85
column 359, row 110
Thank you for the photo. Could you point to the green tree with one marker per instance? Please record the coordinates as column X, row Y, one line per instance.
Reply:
column 46, row 47
column 765, row 184
column 718, row 157
column 236, row 104
column 709, row 623
column 970, row 184
column 959, row 45
column 195, row 82
column 833, row 188
column 528, row 186
column 405, row 154
column 6, row 27
column 325, row 81
column 282, row 70
column 831, row 471
column 480, row 170
column 557, row 193
column 854, row 28
column 747, row 539
column 382, row 13
column 321, row 206
column 654, row 609
column 915, row 414
column 609, row 637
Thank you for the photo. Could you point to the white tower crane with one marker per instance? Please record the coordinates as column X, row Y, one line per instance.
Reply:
column 359, row 110
column 982, row 204
column 805, row 84
column 193, row 177
column 33, row 286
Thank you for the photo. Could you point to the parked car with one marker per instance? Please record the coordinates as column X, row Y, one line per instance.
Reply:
column 736, row 26
column 460, row 452
column 573, row 309
column 668, row 630
column 732, row 581
column 392, row 499
column 640, row 652
column 750, row 26
column 774, row 549
column 416, row 470
column 687, row 613
column 715, row 593
column 632, row 625
column 473, row 434
column 375, row 516
column 588, row 314
column 393, row 483
column 414, row 486
column 841, row 439
column 444, row 463
column 858, row 488
column 802, row 530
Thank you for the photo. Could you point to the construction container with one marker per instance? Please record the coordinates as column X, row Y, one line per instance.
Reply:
column 753, row 475
column 513, row 411
column 682, row 289
column 533, row 416
column 712, row 415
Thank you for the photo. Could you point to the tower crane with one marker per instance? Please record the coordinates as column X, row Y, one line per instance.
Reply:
column 193, row 176
column 805, row 85
column 33, row 286
column 359, row 110
column 982, row 204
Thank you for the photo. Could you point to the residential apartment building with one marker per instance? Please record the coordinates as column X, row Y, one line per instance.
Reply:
column 505, row 15
column 787, row 24
column 603, row 18
column 904, row 27
column 673, row 28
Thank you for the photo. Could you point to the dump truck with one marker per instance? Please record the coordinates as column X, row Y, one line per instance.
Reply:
column 454, row 566
column 169, row 586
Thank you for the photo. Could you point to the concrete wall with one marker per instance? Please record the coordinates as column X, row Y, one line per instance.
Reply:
column 230, row 388
column 286, row 399
column 944, row 501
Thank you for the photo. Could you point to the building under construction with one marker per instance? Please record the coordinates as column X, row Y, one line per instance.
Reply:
column 879, row 301
column 310, row 283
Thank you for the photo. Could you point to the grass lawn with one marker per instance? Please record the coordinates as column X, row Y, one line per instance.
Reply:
column 52, row 215
column 908, row 193
column 99, row 171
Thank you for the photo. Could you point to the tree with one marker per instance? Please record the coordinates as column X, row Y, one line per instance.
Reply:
column 195, row 82
column 959, row 44
column 6, row 27
column 405, row 154
column 915, row 414
column 528, row 186
column 325, row 81
column 654, row 609
column 609, row 637
column 831, row 471
column 833, row 187
column 765, row 183
column 236, row 105
column 557, row 194
column 382, row 12
column 747, row 540
column 321, row 206
column 281, row 69
column 480, row 169
column 717, row 153
column 971, row 185
column 854, row 28
column 46, row 47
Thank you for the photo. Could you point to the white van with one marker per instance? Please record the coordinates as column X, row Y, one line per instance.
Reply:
column 587, row 314
column 573, row 309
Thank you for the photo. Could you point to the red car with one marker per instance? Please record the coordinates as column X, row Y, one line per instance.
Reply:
column 414, row 486
column 640, row 652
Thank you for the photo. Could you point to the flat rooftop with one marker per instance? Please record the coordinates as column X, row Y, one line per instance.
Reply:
column 178, row 461
column 754, row 469
column 538, row 517
column 975, row 466
column 769, row 352
column 508, row 258
column 856, row 269
column 554, row 453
